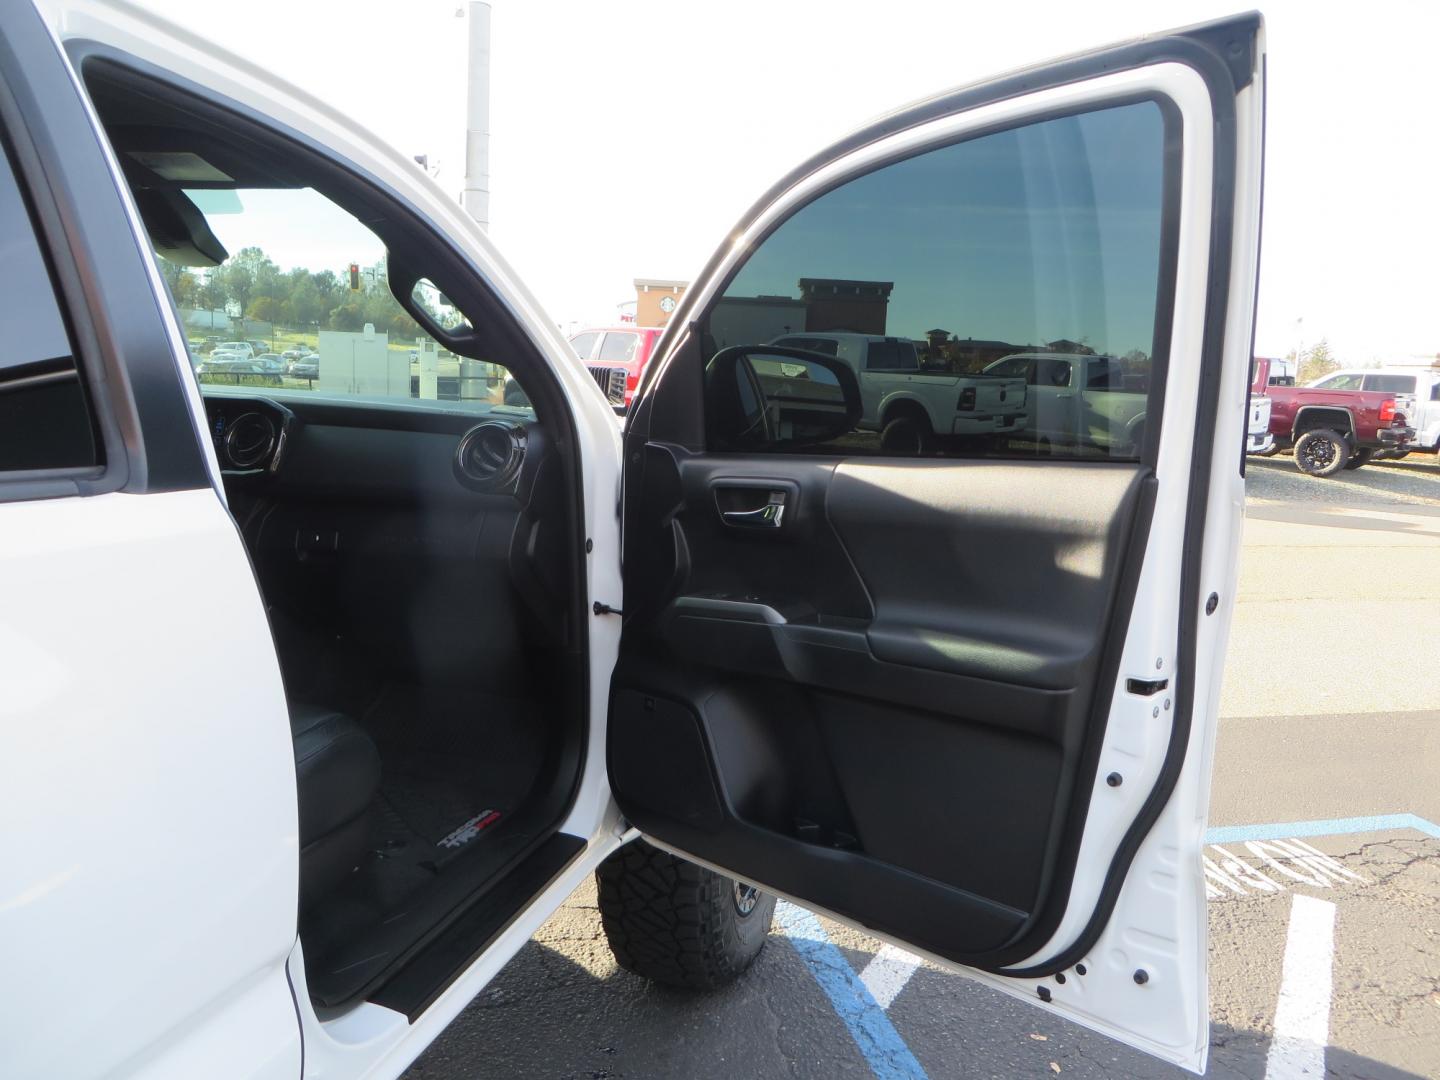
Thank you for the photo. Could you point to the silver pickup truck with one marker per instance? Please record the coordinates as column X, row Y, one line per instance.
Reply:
column 909, row 405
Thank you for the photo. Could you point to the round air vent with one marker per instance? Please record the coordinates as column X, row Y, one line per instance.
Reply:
column 249, row 440
column 489, row 455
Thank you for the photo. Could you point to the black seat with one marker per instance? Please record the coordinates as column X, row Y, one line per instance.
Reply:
column 337, row 771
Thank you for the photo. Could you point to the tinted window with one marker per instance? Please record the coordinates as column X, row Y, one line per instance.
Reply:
column 828, row 346
column 1104, row 374
column 1017, row 367
column 582, row 344
column 1391, row 384
column 44, row 419
column 618, row 348
column 1043, row 240
column 891, row 356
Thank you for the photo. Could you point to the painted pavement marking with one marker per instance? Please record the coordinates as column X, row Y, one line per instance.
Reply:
column 887, row 973
column 1234, row 834
column 884, row 1050
column 1302, row 1015
column 1281, row 860
column 1289, row 862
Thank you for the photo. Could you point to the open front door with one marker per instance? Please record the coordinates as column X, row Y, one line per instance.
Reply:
column 890, row 648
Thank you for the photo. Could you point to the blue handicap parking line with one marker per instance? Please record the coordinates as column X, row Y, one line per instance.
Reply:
column 875, row 1036
column 885, row 1051
column 1286, row 830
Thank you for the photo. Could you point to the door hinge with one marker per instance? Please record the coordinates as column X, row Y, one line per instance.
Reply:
column 1145, row 687
column 605, row 609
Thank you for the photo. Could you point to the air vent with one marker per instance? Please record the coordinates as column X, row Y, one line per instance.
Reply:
column 489, row 455
column 249, row 440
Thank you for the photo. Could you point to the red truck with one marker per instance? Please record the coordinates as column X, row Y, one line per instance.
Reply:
column 1330, row 430
column 615, row 356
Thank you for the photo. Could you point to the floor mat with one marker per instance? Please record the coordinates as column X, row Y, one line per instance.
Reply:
column 447, row 757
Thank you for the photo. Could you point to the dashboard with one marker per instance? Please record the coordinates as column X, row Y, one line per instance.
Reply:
column 367, row 520
column 335, row 448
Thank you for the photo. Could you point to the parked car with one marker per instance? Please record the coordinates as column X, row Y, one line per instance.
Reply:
column 229, row 364
column 1417, row 395
column 238, row 348
column 308, row 368
column 1078, row 399
column 270, row 363
column 911, row 406
column 1331, row 428
column 320, row 702
column 616, row 357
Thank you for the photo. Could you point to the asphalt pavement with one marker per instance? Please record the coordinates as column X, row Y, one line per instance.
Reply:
column 1323, row 873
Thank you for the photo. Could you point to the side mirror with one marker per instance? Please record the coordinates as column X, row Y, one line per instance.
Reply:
column 766, row 397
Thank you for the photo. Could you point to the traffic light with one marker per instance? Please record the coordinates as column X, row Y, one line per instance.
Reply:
column 354, row 277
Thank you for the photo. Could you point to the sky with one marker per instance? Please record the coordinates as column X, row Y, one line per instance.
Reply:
column 627, row 138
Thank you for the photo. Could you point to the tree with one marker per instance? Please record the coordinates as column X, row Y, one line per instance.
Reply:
column 347, row 317
column 211, row 294
column 1315, row 363
column 266, row 309
column 184, row 286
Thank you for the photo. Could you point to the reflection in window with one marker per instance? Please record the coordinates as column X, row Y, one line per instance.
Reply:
column 990, row 275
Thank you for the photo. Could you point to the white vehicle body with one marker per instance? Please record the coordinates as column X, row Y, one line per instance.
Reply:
column 1258, row 438
column 892, row 381
column 1078, row 399
column 236, row 348
column 149, row 904
column 1416, row 390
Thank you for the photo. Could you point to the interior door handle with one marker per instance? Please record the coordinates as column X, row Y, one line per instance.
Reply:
column 769, row 516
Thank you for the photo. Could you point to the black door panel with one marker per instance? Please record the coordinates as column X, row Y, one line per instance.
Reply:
column 890, row 695
column 996, row 570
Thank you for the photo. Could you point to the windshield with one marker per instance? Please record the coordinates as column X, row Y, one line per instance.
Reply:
column 302, row 306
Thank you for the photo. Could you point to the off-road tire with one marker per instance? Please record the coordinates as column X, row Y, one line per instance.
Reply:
column 676, row 923
column 1362, row 456
column 907, row 433
column 1274, row 449
column 1321, row 452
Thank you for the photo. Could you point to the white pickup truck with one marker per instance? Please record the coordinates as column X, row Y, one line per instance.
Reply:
column 910, row 405
column 1080, row 400
column 1417, row 395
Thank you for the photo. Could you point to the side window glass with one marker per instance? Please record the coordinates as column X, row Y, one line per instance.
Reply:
column 891, row 356
column 959, row 272
column 1391, row 384
column 1340, row 382
column 618, row 348
column 292, row 293
column 582, row 344
column 45, row 421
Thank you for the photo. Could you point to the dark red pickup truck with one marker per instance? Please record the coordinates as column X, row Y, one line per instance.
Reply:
column 1330, row 429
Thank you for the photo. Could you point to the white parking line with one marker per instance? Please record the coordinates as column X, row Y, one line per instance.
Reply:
column 1302, row 1015
column 887, row 973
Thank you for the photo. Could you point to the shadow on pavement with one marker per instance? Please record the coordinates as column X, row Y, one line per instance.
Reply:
column 551, row 1016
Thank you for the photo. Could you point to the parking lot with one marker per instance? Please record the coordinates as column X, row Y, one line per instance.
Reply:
column 1323, row 870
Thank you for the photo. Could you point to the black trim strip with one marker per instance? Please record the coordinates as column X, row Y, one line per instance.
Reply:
column 416, row 986
column 121, row 337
